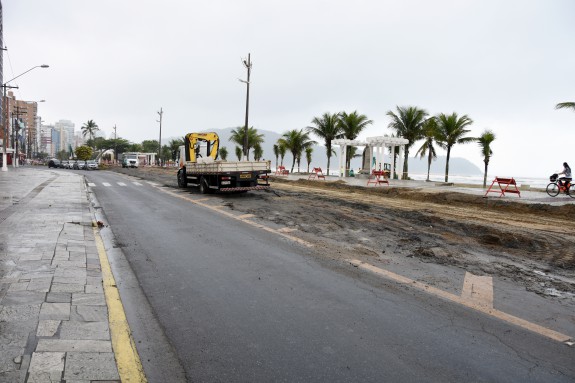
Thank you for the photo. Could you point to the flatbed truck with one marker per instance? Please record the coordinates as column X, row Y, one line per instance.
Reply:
column 199, row 166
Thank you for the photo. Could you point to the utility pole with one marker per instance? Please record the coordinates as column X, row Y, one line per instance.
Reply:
column 161, row 112
column 248, row 65
column 115, row 145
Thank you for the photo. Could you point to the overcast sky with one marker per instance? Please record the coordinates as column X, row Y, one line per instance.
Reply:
column 503, row 63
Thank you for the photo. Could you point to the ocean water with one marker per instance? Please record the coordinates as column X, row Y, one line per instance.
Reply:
column 534, row 182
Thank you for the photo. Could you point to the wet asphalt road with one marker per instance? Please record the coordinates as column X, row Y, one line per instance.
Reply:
column 239, row 304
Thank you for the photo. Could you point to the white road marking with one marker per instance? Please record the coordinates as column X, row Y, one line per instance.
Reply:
column 137, row 183
column 106, row 184
column 121, row 184
column 91, row 184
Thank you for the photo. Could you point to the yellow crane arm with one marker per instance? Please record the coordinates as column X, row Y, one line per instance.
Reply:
column 194, row 146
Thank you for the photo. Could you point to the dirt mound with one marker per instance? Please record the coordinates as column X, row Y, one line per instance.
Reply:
column 445, row 198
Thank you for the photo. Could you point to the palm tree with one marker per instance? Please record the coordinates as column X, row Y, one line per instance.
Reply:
column 276, row 150
column 429, row 132
column 89, row 128
column 223, row 153
column 258, row 152
column 254, row 138
column 484, row 141
column 239, row 153
column 408, row 123
column 351, row 125
column 296, row 141
column 308, row 152
column 174, row 146
column 282, row 151
column 565, row 105
column 326, row 127
column 450, row 131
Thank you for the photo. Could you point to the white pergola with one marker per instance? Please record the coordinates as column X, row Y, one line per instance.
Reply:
column 376, row 148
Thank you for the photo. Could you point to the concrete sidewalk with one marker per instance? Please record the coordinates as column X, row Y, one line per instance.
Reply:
column 53, row 313
column 528, row 196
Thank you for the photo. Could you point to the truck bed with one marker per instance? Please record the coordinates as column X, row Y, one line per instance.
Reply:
column 226, row 167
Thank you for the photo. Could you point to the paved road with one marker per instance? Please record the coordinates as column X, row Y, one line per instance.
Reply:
column 239, row 303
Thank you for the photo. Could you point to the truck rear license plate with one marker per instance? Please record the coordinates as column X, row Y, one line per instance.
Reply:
column 245, row 176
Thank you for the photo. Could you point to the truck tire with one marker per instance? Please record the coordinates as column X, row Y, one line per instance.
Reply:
column 204, row 186
column 182, row 180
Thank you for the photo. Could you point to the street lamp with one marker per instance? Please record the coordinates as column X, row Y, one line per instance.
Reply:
column 5, row 85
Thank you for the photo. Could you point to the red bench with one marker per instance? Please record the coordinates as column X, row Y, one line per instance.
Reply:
column 378, row 177
column 506, row 185
column 281, row 171
column 316, row 173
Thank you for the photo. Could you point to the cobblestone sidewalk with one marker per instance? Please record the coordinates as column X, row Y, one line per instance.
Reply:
column 53, row 314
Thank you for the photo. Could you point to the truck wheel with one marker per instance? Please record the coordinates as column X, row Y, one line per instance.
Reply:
column 182, row 180
column 204, row 187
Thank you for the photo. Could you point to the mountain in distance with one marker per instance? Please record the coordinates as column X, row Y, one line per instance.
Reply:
column 457, row 165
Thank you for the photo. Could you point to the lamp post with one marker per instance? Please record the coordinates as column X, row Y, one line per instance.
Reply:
column 5, row 85
column 248, row 65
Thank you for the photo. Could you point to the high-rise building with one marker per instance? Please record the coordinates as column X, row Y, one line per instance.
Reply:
column 46, row 140
column 56, row 142
column 22, row 122
column 66, row 130
column 3, row 120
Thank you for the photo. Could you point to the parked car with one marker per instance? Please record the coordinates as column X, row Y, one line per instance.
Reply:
column 54, row 163
column 65, row 164
column 91, row 165
column 80, row 165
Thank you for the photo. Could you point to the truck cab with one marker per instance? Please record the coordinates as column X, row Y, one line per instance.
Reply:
column 130, row 160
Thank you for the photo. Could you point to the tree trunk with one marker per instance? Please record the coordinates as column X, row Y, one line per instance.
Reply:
column 447, row 164
column 293, row 164
column 405, row 175
column 328, row 148
column 429, row 158
column 485, row 173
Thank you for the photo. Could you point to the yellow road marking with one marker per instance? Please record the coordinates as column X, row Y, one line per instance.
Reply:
column 127, row 358
column 244, row 216
column 478, row 289
column 287, row 229
column 552, row 334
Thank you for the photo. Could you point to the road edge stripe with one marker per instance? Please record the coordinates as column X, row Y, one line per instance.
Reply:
column 127, row 358
column 533, row 327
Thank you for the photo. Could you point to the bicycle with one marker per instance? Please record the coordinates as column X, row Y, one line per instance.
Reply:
column 554, row 188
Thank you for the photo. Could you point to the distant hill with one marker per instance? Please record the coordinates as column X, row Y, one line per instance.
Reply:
column 457, row 165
